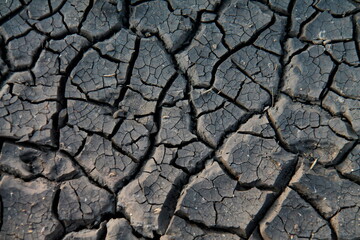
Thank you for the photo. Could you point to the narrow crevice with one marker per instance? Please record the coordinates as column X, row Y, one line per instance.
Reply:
column 221, row 106
column 184, row 183
column 275, row 96
column 59, row 36
column 278, row 135
column 234, row 127
column 138, row 2
column 272, row 8
column 330, row 81
column 54, row 210
column 255, row 134
column 325, row 42
column 105, row 56
column 52, row 11
column 119, row 215
column 193, row 125
column 4, row 78
column 127, row 13
column 98, row 227
column 218, row 10
column 340, row 93
column 165, row 89
column 102, row 37
column 227, row 169
column 344, row 136
column 335, row 114
column 242, row 187
column 33, row 77
column 20, row 35
column 55, row 130
column 304, row 23
column 37, row 146
column 81, row 148
column 275, row 190
column 348, row 177
column 223, row 32
column 140, row 92
column 191, row 35
column 34, row 28
column 170, row 8
column 338, row 15
column 152, row 137
column 332, row 227
column 29, row 101
column 129, row 72
column 5, row 170
column 175, row 165
column 264, row 2
column 62, row 101
column 116, row 127
column 229, row 99
column 24, row 179
column 90, row 100
column 68, row 30
column 101, row 134
column 208, row 229
column 216, row 211
column 313, row 205
column 340, row 209
column 4, row 58
column 13, row 13
column 178, row 146
column 34, row 59
column 50, row 6
column 84, row 172
column 243, row 71
column 289, row 58
column 275, row 196
column 120, row 150
column 307, row 102
column 268, row 203
column 342, row 155
column 265, row 187
column 267, row 50
column 79, row 202
column 356, row 34
column 193, row 116
column 86, row 13
column 198, row 167
column 169, row 205
column 249, row 42
column 172, row 104
column 157, row 121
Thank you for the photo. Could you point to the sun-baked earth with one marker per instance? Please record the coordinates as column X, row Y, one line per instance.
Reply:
column 179, row 119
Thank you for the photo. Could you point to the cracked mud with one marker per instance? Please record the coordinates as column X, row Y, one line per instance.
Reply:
column 179, row 119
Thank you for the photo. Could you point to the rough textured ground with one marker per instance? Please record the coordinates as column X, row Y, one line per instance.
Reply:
column 179, row 119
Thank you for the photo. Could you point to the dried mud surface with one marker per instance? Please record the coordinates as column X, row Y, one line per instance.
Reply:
column 179, row 119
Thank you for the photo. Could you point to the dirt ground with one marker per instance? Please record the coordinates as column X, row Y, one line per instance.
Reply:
column 179, row 119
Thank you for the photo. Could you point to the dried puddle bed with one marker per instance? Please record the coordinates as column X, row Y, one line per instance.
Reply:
column 194, row 119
